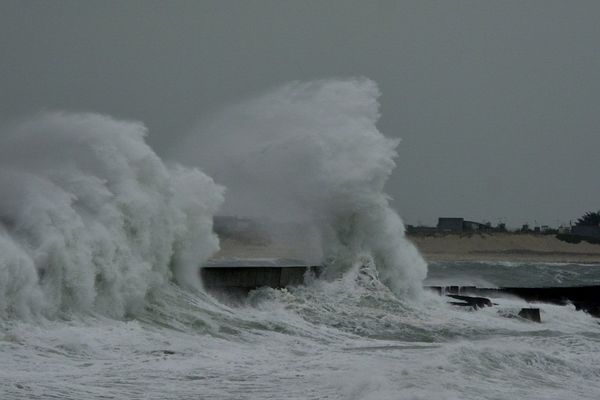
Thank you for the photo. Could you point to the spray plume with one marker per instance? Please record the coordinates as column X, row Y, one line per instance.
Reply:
column 91, row 219
column 310, row 153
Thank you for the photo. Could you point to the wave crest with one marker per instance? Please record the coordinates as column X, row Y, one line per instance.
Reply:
column 310, row 153
column 92, row 219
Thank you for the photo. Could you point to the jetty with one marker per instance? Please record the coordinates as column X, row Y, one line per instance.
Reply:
column 239, row 276
column 586, row 298
column 236, row 277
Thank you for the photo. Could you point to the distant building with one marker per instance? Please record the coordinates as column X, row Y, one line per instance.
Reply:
column 470, row 226
column 413, row 230
column 458, row 225
column 450, row 224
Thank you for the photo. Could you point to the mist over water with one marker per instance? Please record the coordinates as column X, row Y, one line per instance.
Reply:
column 310, row 153
column 91, row 219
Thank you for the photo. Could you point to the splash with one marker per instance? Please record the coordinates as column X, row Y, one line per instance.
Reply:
column 311, row 154
column 91, row 219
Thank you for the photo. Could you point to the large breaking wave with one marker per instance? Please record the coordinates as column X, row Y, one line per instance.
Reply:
column 92, row 219
column 311, row 153
column 94, row 224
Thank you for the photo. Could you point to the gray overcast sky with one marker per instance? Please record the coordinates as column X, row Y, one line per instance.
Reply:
column 498, row 103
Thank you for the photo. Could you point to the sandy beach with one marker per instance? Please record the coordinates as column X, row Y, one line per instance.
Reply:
column 453, row 247
column 504, row 247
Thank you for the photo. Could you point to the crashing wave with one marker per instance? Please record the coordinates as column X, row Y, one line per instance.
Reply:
column 92, row 219
column 311, row 154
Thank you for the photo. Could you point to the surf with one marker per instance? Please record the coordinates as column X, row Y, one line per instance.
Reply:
column 92, row 219
column 309, row 155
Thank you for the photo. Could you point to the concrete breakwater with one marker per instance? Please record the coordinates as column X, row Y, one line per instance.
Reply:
column 239, row 276
column 586, row 298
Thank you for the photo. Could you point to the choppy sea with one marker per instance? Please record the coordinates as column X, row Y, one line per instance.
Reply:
column 349, row 338
column 95, row 229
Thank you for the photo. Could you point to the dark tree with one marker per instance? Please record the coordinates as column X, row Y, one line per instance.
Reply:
column 589, row 219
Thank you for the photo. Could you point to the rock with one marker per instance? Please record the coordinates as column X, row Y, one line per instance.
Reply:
column 532, row 314
column 471, row 301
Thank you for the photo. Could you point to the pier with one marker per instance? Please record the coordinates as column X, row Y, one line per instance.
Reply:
column 243, row 275
column 586, row 298
column 239, row 276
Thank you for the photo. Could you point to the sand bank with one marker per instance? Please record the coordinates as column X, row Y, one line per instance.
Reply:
column 451, row 247
column 504, row 247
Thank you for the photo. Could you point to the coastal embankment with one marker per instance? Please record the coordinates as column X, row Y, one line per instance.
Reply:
column 451, row 247
column 504, row 247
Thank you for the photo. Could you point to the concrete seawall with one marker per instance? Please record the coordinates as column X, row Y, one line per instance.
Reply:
column 586, row 298
column 243, row 275
column 237, row 277
column 254, row 277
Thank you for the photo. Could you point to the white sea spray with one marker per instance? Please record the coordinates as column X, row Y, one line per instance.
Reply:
column 310, row 155
column 94, row 227
column 92, row 219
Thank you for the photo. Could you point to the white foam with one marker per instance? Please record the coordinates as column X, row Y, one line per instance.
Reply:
column 91, row 218
column 310, row 153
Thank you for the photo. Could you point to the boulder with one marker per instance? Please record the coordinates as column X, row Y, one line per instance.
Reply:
column 532, row 314
column 471, row 301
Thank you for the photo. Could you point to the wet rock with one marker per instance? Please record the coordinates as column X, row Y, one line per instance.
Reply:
column 163, row 352
column 532, row 314
column 584, row 298
column 471, row 301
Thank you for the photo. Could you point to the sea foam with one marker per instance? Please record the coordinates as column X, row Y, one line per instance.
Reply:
column 310, row 153
column 91, row 218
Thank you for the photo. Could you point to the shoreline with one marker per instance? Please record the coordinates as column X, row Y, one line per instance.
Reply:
column 509, row 247
column 494, row 247
column 551, row 258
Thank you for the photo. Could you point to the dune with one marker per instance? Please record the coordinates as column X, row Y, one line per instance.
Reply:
column 449, row 247
column 504, row 247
